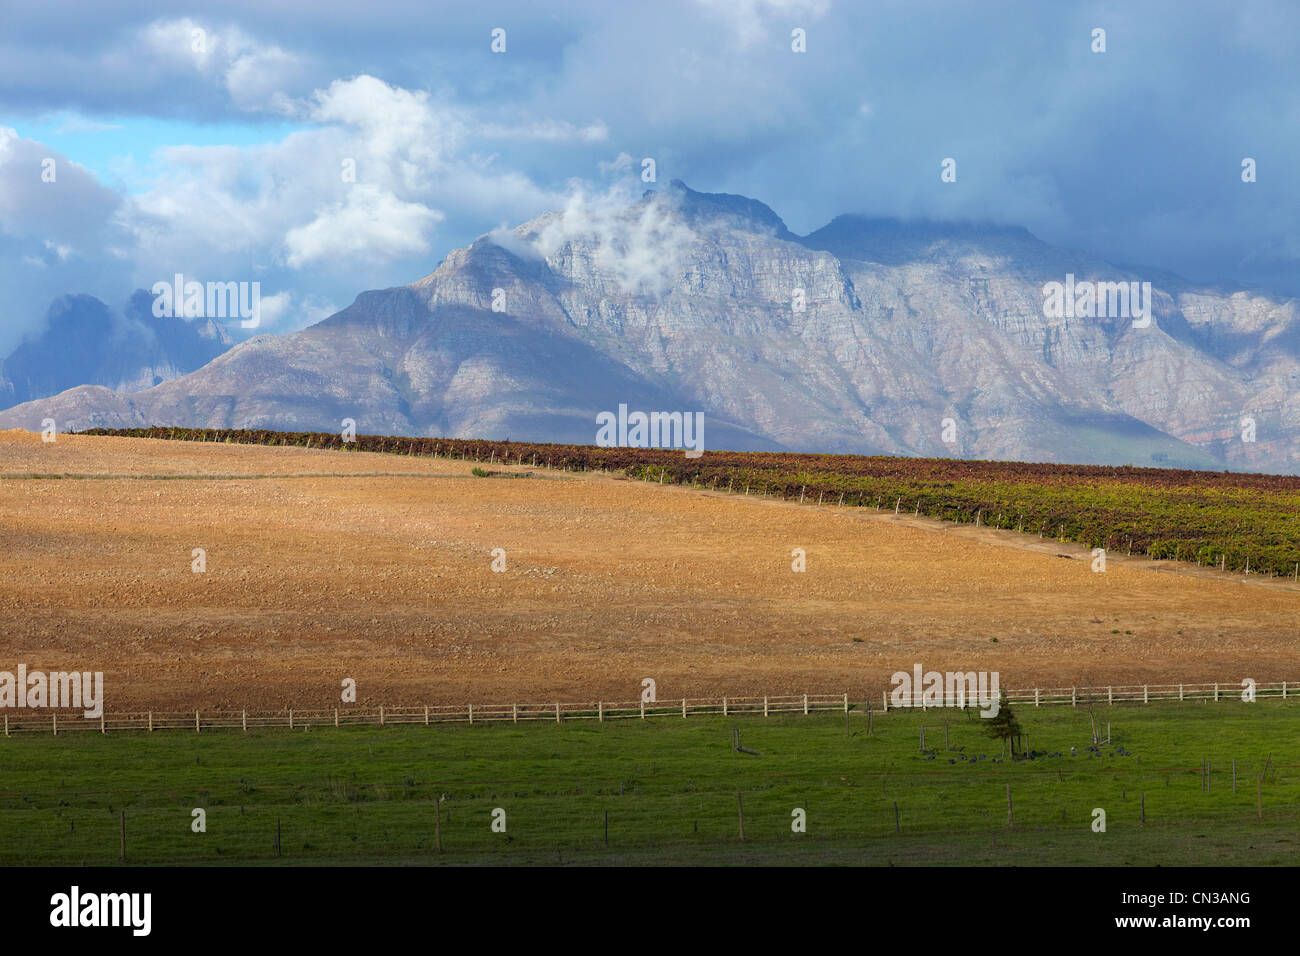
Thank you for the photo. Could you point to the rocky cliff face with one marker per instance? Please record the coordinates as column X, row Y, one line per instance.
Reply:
column 912, row 339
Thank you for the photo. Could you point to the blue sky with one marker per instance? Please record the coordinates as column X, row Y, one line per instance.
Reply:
column 121, row 150
column 211, row 139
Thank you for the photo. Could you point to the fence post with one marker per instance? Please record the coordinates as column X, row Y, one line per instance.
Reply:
column 336, row 716
column 805, row 705
column 884, row 696
column 54, row 722
column 6, row 725
column 426, row 715
column 1074, row 697
column 724, row 707
column 196, row 720
column 1284, row 690
column 291, row 718
column 643, row 708
column 245, row 720
column 1145, row 698
column 437, row 822
column 600, row 711
column 683, row 708
column 764, row 705
column 151, row 721
column 1180, row 691
column 101, row 722
column 1110, row 696
column 1216, row 691
column 381, row 715
column 471, row 713
column 557, row 710
column 514, row 713
column 1035, row 696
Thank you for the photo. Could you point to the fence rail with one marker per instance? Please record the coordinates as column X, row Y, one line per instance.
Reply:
column 1145, row 693
column 66, row 719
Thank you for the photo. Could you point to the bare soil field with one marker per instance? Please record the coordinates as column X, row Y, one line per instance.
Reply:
column 326, row 565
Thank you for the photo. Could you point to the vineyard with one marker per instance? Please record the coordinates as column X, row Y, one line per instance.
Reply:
column 1239, row 522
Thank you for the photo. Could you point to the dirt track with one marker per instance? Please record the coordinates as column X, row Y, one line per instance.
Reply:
column 375, row 567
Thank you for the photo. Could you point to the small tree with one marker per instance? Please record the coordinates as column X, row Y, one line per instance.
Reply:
column 1004, row 725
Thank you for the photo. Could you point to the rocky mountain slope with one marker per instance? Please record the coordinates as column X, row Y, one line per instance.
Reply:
column 914, row 339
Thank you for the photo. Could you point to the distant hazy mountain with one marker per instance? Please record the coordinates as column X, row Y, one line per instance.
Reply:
column 688, row 301
column 84, row 342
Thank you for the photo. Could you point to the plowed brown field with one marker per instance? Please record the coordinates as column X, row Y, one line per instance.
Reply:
column 327, row 565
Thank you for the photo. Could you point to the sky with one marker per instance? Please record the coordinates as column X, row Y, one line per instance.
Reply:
column 215, row 139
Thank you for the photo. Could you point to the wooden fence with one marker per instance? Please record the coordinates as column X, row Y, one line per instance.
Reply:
column 64, row 720
column 1145, row 693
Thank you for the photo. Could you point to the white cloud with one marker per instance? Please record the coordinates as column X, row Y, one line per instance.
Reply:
column 394, row 124
column 512, row 242
column 73, row 205
column 183, row 43
column 621, row 162
column 289, row 311
column 48, row 231
column 641, row 244
column 289, row 204
column 256, row 75
column 257, row 80
column 370, row 223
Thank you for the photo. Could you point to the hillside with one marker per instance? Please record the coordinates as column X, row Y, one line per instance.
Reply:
column 321, row 565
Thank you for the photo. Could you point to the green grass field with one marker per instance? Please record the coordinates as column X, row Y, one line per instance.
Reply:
column 367, row 795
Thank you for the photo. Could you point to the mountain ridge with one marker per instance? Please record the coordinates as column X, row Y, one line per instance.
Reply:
column 682, row 300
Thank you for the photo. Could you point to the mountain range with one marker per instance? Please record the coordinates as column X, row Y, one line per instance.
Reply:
column 83, row 341
column 869, row 335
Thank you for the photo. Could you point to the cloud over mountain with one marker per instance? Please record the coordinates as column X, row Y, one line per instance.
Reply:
column 869, row 335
